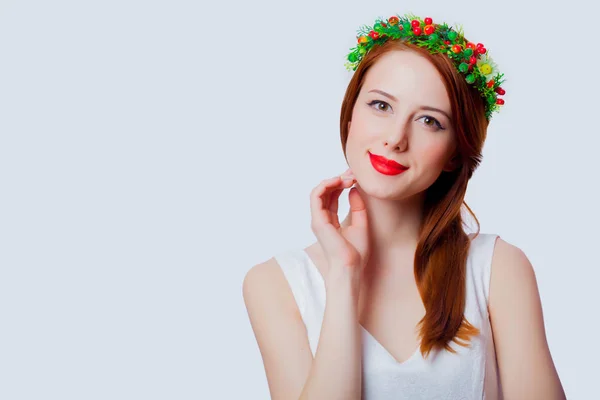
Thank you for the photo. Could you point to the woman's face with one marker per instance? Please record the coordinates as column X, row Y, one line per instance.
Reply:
column 403, row 114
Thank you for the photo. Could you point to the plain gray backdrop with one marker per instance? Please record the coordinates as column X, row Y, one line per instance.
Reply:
column 152, row 152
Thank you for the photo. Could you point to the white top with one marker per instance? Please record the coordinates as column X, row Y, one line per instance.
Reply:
column 471, row 373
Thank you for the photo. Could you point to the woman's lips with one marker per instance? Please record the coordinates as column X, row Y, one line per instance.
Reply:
column 385, row 166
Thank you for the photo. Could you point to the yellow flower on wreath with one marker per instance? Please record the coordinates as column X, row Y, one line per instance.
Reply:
column 487, row 66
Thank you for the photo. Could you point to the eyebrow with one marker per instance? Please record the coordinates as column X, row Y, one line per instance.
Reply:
column 381, row 92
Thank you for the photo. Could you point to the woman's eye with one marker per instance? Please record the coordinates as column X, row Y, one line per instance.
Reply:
column 430, row 121
column 378, row 104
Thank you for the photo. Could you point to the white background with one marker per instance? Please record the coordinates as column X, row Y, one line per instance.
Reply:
column 152, row 152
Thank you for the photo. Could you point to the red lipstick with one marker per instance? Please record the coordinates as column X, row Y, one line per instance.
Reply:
column 385, row 166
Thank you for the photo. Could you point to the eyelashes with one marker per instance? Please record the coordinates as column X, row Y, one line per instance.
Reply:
column 378, row 102
column 434, row 121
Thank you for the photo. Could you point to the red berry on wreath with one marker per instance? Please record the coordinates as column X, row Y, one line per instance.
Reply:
column 473, row 60
column 417, row 30
column 393, row 20
column 447, row 42
column 471, row 46
column 456, row 48
column 429, row 29
column 500, row 101
column 500, row 91
column 481, row 50
column 374, row 35
column 415, row 23
column 428, row 21
column 490, row 83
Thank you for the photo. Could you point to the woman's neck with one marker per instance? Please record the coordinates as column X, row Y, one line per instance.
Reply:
column 394, row 226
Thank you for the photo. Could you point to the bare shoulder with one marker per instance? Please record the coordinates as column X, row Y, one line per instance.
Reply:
column 265, row 285
column 527, row 370
column 511, row 270
column 510, row 267
column 278, row 328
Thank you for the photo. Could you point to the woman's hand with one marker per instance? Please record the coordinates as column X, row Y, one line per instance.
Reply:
column 346, row 249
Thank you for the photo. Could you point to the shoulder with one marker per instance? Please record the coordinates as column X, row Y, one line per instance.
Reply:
column 512, row 274
column 526, row 366
column 268, row 296
column 265, row 285
column 278, row 328
column 259, row 272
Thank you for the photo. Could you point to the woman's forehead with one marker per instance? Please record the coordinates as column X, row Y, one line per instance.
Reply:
column 407, row 76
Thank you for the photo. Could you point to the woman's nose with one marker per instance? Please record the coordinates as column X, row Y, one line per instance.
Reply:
column 398, row 141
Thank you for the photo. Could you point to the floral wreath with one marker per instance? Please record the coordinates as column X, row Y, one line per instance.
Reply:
column 470, row 59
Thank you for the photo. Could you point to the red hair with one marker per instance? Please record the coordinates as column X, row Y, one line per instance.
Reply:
column 441, row 254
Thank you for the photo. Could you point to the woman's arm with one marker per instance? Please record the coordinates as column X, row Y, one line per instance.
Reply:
column 292, row 373
column 524, row 361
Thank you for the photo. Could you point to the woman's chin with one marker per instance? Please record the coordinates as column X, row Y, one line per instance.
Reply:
column 381, row 191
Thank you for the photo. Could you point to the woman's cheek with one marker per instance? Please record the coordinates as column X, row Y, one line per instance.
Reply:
column 434, row 155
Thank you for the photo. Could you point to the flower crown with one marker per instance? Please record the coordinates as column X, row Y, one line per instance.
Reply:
column 471, row 60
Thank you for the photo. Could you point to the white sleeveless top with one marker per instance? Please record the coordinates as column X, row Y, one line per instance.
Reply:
column 471, row 373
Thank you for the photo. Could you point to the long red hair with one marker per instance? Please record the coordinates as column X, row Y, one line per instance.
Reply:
column 441, row 254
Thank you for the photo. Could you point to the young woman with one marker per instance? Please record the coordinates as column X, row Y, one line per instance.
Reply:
column 398, row 301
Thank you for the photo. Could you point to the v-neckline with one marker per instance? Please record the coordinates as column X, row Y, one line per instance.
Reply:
column 369, row 335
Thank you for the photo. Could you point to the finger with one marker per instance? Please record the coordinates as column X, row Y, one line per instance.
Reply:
column 336, row 190
column 332, row 241
column 334, row 200
column 357, row 208
column 333, row 207
column 348, row 172
column 319, row 200
column 322, row 200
